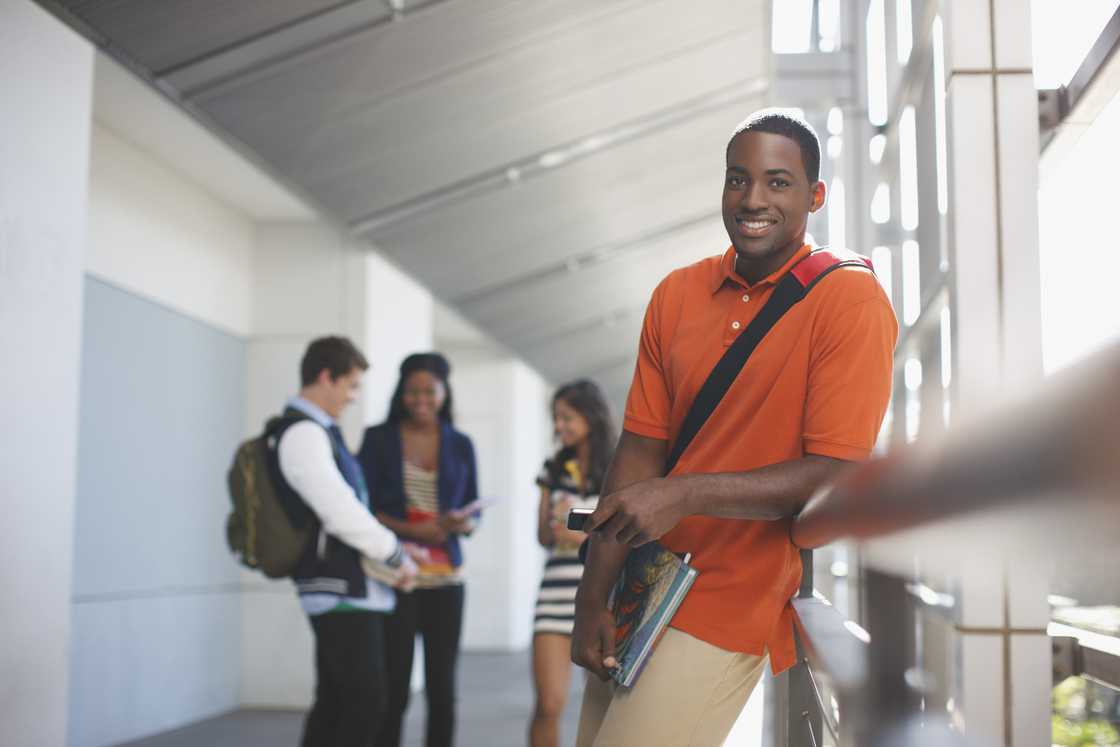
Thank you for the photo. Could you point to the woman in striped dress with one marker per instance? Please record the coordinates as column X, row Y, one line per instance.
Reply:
column 571, row 478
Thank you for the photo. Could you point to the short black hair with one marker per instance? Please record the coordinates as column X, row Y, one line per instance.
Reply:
column 785, row 123
column 337, row 355
column 435, row 364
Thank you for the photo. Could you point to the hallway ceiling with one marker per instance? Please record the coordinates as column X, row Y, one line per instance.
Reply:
column 539, row 165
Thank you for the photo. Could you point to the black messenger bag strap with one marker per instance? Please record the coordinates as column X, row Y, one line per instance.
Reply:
column 790, row 289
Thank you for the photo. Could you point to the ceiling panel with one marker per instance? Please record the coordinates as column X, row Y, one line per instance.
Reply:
column 571, row 300
column 589, row 205
column 379, row 146
column 162, row 34
column 539, row 165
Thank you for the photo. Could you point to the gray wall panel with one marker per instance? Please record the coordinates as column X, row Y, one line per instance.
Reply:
column 155, row 622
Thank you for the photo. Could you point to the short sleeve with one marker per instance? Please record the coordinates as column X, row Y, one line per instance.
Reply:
column 850, row 376
column 544, row 477
column 647, row 405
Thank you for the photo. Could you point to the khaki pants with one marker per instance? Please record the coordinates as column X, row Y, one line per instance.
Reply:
column 689, row 695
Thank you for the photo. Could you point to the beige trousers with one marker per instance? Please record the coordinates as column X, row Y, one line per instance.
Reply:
column 689, row 695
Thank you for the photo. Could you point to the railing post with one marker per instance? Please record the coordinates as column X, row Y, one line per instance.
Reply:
column 889, row 699
column 804, row 717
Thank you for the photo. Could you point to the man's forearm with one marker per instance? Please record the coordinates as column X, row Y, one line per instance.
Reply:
column 776, row 491
column 636, row 459
column 604, row 562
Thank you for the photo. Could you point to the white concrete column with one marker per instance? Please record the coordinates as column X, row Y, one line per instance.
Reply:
column 994, row 289
column 45, row 85
column 502, row 404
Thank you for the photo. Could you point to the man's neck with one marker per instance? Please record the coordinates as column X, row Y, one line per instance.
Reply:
column 313, row 396
column 754, row 272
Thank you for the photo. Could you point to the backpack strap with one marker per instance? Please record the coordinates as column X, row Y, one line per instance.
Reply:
column 793, row 287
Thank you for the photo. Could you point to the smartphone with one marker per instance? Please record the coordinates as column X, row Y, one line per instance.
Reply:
column 577, row 517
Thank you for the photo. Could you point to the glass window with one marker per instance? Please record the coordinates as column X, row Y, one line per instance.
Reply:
column 1062, row 33
column 837, row 205
column 881, row 204
column 908, row 168
column 1079, row 260
column 882, row 259
column 792, row 26
column 829, row 25
column 938, row 32
column 876, row 64
column 911, row 283
column 905, row 28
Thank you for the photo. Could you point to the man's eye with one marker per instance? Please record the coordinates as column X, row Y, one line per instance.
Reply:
column 779, row 183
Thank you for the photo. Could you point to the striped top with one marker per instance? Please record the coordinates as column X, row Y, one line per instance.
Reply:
column 556, row 600
column 422, row 504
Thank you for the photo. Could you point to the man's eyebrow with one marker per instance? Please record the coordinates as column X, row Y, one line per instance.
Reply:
column 775, row 172
column 736, row 169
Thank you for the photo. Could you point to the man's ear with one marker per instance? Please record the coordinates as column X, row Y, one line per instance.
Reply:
column 817, row 197
column 324, row 378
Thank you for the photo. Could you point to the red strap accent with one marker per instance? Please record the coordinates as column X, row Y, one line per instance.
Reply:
column 821, row 260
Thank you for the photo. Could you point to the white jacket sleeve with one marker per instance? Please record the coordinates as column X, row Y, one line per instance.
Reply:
column 307, row 463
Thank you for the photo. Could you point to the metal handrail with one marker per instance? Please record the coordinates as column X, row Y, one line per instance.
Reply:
column 1063, row 439
column 1063, row 442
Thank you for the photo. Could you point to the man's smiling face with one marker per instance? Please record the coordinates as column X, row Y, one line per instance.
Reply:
column 767, row 198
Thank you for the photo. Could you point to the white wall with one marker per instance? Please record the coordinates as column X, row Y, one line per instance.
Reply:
column 163, row 237
column 45, row 85
column 502, row 405
column 170, row 271
column 399, row 321
column 308, row 282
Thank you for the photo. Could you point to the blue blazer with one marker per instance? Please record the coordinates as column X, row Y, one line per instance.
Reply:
column 381, row 459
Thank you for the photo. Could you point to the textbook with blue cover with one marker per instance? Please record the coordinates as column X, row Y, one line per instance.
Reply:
column 653, row 583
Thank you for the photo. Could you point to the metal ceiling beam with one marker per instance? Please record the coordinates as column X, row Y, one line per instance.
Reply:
column 590, row 258
column 544, row 162
column 215, row 73
column 602, row 321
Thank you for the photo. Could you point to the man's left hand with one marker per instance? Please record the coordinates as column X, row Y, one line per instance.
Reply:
column 641, row 512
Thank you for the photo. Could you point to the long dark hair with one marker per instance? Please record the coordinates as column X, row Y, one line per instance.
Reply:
column 437, row 366
column 585, row 397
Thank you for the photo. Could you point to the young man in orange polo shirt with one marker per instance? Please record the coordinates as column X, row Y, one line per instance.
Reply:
column 809, row 401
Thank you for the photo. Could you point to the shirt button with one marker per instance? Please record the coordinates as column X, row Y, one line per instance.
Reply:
column 734, row 325
column 746, row 297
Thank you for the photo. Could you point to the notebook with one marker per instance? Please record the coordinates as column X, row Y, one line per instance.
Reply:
column 652, row 585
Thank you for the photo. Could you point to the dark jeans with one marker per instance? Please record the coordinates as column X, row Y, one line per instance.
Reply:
column 350, row 691
column 437, row 614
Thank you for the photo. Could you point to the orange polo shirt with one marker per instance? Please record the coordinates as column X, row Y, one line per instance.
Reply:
column 818, row 383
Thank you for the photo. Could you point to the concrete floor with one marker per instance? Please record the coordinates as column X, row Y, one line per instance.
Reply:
column 495, row 701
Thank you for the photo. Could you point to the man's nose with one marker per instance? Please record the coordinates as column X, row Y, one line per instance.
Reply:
column 754, row 197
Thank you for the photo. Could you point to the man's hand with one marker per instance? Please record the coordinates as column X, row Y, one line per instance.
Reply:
column 593, row 640
column 641, row 512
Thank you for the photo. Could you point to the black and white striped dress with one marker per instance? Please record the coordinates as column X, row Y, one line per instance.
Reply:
column 556, row 602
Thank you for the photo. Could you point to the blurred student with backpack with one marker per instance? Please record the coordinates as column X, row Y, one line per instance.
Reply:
column 570, row 478
column 345, row 572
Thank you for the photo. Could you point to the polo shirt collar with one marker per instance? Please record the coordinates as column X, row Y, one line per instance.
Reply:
column 727, row 270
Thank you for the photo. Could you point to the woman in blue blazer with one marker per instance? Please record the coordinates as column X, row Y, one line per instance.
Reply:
column 420, row 472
